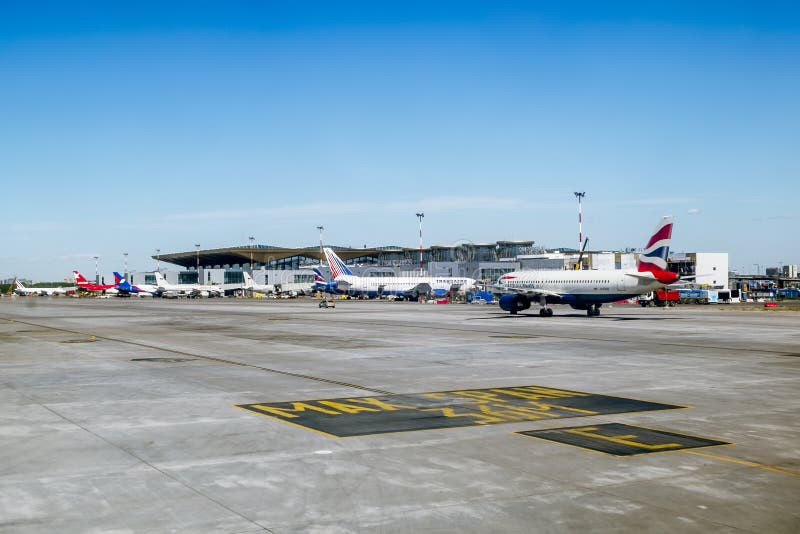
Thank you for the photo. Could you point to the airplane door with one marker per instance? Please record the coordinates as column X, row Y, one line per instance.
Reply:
column 620, row 281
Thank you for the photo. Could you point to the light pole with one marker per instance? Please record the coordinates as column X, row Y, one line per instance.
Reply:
column 420, row 216
column 125, row 264
column 321, row 251
column 97, row 269
column 252, row 239
column 197, row 263
column 579, row 196
column 158, row 257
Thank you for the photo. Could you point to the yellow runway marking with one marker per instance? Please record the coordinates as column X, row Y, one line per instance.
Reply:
column 781, row 470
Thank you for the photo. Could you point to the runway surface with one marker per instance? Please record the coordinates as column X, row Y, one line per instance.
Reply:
column 133, row 415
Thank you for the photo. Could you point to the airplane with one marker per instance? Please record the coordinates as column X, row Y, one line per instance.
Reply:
column 20, row 289
column 409, row 287
column 85, row 285
column 294, row 288
column 322, row 285
column 288, row 289
column 126, row 289
column 165, row 289
column 589, row 290
column 250, row 284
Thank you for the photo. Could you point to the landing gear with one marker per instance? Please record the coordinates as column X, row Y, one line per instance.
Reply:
column 593, row 311
column 544, row 311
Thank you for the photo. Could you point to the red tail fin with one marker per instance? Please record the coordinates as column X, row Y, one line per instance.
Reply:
column 653, row 258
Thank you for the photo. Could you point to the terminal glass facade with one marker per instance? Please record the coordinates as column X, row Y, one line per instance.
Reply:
column 494, row 273
column 233, row 277
column 187, row 277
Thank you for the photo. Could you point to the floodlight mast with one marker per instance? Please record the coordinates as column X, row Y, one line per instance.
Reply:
column 579, row 196
column 420, row 216
column 321, row 251
column 197, row 263
column 252, row 239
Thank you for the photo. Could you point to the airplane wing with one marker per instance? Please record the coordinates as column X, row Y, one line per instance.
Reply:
column 343, row 284
column 420, row 289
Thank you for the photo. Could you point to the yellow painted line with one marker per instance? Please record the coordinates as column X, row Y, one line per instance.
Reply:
column 748, row 463
column 286, row 421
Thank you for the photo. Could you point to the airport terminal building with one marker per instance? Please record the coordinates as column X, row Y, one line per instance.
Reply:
column 482, row 261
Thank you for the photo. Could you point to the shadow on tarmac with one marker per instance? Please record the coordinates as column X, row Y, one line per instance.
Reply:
column 601, row 317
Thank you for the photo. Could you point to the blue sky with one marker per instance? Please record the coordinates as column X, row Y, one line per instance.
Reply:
column 126, row 128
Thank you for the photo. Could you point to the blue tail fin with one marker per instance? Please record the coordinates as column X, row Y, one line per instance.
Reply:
column 318, row 278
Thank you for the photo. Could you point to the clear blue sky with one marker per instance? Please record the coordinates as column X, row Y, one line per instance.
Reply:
column 131, row 126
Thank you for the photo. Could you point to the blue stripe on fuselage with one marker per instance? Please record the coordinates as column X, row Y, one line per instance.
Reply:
column 570, row 298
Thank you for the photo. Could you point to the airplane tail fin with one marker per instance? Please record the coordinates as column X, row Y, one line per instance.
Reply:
column 79, row 278
column 122, row 284
column 653, row 258
column 338, row 268
column 18, row 284
column 160, row 280
column 248, row 280
column 318, row 278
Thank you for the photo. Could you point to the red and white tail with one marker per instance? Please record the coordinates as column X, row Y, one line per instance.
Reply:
column 79, row 279
column 653, row 258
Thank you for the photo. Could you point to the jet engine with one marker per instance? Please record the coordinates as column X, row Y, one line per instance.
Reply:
column 514, row 303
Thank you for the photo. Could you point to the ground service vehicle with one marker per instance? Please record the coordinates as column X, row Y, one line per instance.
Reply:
column 660, row 297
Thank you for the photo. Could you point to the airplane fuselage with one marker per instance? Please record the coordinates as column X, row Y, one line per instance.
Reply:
column 373, row 286
column 44, row 291
column 579, row 287
column 186, row 290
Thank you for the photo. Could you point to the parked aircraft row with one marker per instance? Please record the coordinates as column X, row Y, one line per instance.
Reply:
column 581, row 289
column 20, row 289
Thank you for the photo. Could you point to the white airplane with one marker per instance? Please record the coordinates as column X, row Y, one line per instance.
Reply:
column 250, row 284
column 20, row 289
column 289, row 289
column 164, row 288
column 410, row 287
column 588, row 290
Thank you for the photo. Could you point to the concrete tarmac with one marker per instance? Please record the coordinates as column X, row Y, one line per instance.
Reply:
column 135, row 415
